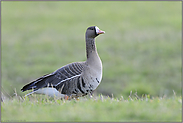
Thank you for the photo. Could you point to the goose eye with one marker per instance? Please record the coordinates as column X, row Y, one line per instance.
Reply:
column 90, row 28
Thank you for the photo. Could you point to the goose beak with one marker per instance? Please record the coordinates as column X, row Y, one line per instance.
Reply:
column 100, row 32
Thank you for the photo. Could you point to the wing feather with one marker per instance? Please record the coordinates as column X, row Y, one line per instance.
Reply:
column 64, row 74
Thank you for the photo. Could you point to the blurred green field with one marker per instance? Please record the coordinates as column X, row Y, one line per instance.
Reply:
column 140, row 51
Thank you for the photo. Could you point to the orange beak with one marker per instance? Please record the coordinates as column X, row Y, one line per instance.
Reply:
column 100, row 32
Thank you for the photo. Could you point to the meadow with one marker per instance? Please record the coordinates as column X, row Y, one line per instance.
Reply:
column 140, row 52
column 97, row 109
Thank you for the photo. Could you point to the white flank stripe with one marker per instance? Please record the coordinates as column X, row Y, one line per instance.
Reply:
column 68, row 79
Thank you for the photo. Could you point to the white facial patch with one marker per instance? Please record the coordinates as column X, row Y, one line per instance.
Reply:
column 98, row 31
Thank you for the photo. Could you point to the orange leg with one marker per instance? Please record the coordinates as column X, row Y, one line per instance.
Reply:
column 66, row 97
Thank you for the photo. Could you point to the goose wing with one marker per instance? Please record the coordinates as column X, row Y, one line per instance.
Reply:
column 56, row 78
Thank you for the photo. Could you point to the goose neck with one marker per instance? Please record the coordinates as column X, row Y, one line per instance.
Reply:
column 90, row 47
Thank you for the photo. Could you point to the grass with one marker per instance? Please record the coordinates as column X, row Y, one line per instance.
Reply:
column 96, row 109
column 140, row 51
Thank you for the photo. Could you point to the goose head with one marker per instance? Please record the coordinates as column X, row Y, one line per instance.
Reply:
column 93, row 32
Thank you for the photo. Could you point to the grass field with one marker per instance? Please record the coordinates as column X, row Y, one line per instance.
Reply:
column 98, row 109
column 140, row 52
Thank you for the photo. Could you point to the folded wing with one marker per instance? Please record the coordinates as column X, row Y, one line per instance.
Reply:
column 57, row 78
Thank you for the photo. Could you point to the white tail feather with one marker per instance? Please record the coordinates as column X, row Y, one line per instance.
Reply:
column 48, row 91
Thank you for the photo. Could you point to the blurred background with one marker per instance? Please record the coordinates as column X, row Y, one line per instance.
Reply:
column 140, row 51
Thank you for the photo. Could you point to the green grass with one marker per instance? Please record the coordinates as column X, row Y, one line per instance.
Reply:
column 98, row 109
column 140, row 52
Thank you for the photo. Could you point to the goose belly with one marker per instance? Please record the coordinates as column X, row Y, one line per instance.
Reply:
column 93, row 79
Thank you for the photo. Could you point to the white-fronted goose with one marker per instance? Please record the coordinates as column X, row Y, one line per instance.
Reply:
column 74, row 79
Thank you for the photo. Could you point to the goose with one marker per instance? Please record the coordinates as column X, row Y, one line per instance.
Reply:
column 73, row 80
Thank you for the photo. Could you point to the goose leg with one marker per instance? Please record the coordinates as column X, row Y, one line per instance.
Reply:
column 66, row 97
